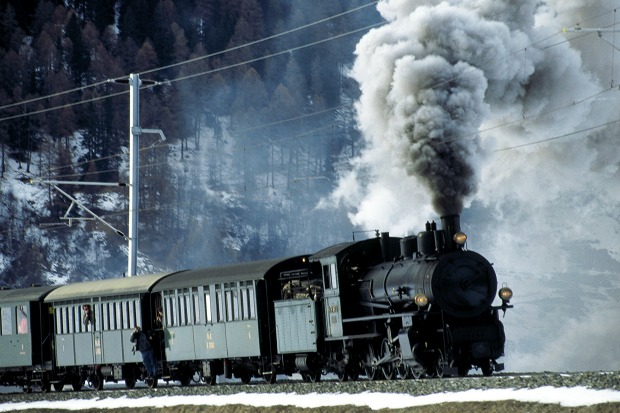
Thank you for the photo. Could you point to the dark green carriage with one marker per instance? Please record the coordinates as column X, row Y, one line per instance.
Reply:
column 220, row 320
column 26, row 358
column 93, row 324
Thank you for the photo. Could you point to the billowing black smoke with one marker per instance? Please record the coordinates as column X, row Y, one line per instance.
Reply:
column 431, row 74
column 428, row 80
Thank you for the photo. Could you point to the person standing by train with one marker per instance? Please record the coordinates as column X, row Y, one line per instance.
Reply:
column 143, row 345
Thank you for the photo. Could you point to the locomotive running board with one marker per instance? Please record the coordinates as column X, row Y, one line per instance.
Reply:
column 356, row 336
column 379, row 317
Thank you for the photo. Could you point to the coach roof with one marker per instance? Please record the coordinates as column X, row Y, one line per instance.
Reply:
column 25, row 294
column 246, row 271
column 109, row 287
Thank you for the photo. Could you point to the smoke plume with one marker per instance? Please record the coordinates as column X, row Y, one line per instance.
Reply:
column 429, row 79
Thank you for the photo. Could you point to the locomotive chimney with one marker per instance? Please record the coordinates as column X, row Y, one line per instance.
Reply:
column 450, row 224
column 385, row 246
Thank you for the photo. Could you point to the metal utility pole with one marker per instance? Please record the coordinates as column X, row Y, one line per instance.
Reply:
column 134, row 156
column 134, row 167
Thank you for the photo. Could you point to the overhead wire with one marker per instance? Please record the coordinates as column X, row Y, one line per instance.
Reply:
column 180, row 78
column 184, row 62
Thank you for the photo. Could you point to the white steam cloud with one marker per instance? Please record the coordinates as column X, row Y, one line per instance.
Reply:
column 485, row 107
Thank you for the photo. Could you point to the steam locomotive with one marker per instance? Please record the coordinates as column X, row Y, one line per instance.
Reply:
column 381, row 308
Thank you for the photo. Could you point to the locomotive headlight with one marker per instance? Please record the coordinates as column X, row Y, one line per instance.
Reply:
column 505, row 294
column 460, row 238
column 421, row 300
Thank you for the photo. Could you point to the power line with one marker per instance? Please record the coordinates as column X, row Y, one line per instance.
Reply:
column 287, row 51
column 82, row 88
column 305, row 26
column 560, row 136
column 269, row 56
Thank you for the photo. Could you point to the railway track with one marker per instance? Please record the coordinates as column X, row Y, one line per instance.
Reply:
column 594, row 380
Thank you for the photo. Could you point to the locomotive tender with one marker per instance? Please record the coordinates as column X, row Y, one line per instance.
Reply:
column 381, row 308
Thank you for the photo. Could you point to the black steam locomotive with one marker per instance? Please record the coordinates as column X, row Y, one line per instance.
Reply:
column 380, row 308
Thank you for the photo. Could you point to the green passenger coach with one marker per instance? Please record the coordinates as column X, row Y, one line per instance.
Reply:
column 93, row 323
column 26, row 358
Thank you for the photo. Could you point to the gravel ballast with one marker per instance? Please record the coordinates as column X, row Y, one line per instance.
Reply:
column 593, row 380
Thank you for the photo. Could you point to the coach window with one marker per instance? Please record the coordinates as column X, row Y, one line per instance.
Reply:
column 118, row 309
column 196, row 303
column 7, row 321
column 232, row 301
column 70, row 319
column 138, row 321
column 209, row 317
column 58, row 314
column 112, row 314
column 170, row 309
column 125, row 313
column 132, row 313
column 63, row 320
column 219, row 298
column 235, row 302
column 87, row 318
column 246, row 291
column 22, row 319
column 183, row 306
column 105, row 317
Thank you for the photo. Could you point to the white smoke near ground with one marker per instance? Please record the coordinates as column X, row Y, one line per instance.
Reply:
column 486, row 107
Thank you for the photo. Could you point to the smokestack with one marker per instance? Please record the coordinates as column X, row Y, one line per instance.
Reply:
column 450, row 224
column 385, row 246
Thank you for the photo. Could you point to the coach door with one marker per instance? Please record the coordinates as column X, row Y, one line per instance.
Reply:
column 74, row 338
column 119, row 316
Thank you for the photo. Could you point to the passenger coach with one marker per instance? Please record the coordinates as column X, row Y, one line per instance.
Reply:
column 26, row 356
column 93, row 322
column 220, row 321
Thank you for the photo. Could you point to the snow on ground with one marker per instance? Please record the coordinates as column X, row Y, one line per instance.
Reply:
column 563, row 396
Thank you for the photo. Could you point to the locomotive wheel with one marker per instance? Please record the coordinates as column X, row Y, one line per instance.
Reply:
column 58, row 386
column 370, row 368
column 439, row 365
column 388, row 371
column 417, row 373
column 371, row 372
column 404, row 372
column 388, row 368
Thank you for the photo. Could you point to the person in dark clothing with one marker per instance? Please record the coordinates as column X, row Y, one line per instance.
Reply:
column 143, row 345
